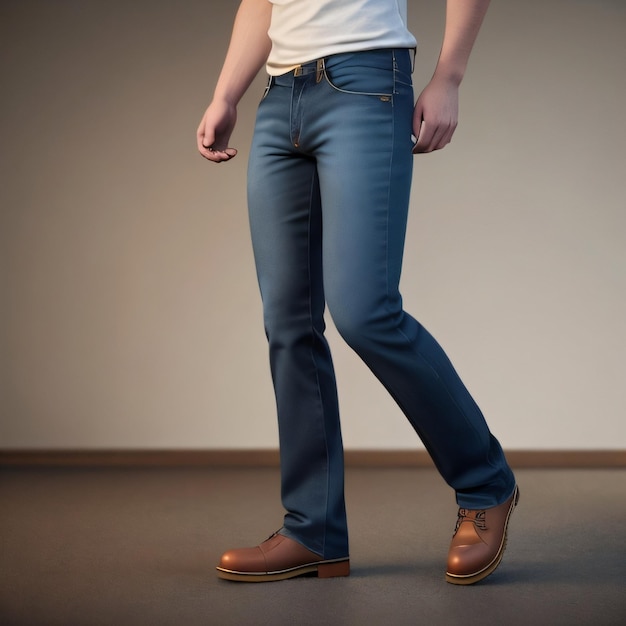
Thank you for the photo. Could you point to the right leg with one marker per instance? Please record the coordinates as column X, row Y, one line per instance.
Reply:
column 285, row 220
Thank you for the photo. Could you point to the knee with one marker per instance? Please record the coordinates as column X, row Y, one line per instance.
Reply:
column 364, row 322
column 282, row 325
column 289, row 321
column 357, row 325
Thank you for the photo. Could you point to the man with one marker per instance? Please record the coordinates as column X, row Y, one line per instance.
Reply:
column 328, row 190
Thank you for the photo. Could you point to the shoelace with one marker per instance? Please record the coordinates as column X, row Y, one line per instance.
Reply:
column 476, row 517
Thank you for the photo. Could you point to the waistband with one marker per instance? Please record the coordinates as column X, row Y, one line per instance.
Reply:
column 380, row 58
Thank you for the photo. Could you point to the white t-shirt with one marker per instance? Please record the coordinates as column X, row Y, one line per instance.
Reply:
column 305, row 30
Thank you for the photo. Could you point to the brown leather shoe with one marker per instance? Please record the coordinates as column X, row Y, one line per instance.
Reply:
column 478, row 542
column 278, row 558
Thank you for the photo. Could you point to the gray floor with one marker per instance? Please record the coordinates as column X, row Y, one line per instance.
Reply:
column 138, row 546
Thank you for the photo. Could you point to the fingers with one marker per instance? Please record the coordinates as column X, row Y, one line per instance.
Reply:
column 218, row 156
column 211, row 152
column 431, row 137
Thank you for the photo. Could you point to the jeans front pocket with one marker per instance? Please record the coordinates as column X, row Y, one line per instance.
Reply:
column 361, row 74
column 359, row 85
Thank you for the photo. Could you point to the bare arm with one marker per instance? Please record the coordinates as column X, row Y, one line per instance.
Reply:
column 247, row 52
column 436, row 112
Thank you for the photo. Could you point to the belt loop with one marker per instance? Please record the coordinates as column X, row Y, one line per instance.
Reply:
column 320, row 69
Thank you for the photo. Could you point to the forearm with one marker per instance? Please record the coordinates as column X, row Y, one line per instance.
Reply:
column 247, row 52
column 463, row 21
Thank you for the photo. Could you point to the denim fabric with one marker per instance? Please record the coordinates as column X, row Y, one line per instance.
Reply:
column 328, row 191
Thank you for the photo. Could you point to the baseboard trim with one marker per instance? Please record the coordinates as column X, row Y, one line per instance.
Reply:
column 270, row 458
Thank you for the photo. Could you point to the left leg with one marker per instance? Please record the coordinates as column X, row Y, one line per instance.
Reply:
column 364, row 165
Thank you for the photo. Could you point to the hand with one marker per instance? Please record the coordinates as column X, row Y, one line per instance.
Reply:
column 214, row 132
column 436, row 115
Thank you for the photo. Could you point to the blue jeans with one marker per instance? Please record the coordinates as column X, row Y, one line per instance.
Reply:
column 328, row 192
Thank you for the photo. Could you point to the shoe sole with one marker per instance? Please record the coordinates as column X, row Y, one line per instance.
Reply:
column 470, row 579
column 323, row 569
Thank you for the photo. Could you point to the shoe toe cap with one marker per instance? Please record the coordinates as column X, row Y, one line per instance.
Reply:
column 243, row 560
column 466, row 560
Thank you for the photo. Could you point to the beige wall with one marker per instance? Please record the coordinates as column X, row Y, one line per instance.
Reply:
column 130, row 314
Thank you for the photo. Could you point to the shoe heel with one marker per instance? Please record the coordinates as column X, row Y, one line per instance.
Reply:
column 332, row 570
